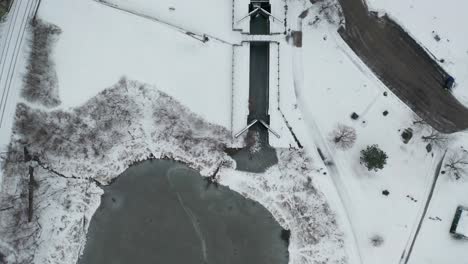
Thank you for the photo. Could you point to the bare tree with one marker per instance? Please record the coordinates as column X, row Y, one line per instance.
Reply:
column 418, row 121
column 435, row 138
column 329, row 10
column 420, row 125
column 457, row 164
column 343, row 136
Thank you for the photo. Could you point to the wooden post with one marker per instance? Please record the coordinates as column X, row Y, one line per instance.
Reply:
column 31, row 193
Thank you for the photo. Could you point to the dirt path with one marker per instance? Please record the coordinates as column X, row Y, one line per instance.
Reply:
column 403, row 66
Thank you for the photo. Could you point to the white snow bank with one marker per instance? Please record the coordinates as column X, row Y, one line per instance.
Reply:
column 121, row 125
column 438, row 27
column 280, row 59
column 240, row 87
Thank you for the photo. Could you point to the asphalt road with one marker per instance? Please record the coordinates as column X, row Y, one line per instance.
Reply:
column 403, row 66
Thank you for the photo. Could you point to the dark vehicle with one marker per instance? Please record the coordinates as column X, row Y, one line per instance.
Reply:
column 449, row 82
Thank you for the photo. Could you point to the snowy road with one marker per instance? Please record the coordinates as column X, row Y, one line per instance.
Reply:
column 12, row 41
column 403, row 66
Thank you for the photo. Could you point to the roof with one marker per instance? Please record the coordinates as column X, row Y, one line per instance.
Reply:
column 462, row 226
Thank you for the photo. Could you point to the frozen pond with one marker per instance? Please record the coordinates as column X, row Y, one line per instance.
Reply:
column 164, row 212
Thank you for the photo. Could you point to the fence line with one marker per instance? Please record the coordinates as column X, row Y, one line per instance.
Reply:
column 197, row 36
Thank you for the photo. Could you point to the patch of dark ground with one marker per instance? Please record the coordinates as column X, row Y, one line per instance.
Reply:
column 403, row 66
column 258, row 155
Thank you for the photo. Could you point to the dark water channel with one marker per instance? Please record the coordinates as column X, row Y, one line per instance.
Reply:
column 264, row 156
column 164, row 212
column 259, row 74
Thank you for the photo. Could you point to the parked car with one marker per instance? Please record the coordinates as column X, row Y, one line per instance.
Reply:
column 449, row 82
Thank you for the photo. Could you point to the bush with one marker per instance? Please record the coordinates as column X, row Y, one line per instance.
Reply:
column 40, row 81
column 373, row 158
column 377, row 240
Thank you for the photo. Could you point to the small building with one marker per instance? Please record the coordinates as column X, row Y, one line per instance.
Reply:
column 459, row 226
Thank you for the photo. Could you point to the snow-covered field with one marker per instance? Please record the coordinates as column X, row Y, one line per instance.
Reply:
column 438, row 27
column 94, row 52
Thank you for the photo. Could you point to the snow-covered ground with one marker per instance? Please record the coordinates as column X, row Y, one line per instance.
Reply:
column 438, row 27
column 93, row 53
column 331, row 83
column 280, row 65
column 240, row 87
column 434, row 235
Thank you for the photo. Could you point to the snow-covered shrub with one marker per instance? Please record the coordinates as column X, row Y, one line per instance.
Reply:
column 40, row 81
column 123, row 124
column 376, row 240
column 325, row 10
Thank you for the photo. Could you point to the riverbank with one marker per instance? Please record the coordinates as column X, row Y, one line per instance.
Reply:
column 89, row 145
